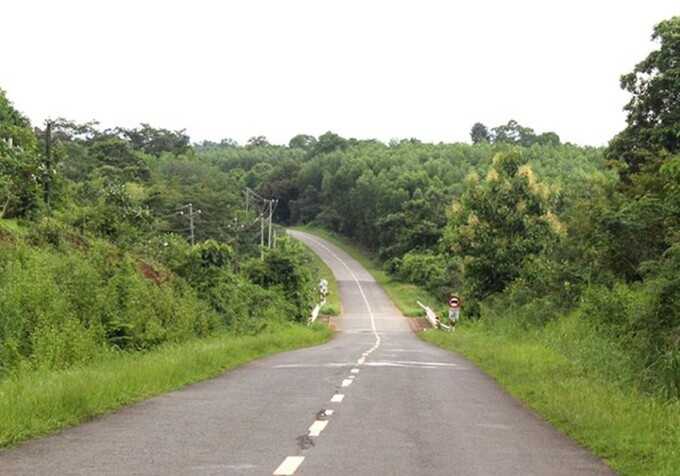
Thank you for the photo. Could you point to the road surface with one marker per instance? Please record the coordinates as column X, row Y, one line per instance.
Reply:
column 374, row 401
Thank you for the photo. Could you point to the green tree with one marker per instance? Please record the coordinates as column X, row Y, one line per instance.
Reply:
column 19, row 163
column 179, row 181
column 329, row 142
column 257, row 141
column 500, row 223
column 153, row 141
column 480, row 134
column 287, row 268
column 281, row 184
column 548, row 138
column 302, row 141
column 513, row 133
column 653, row 113
column 117, row 159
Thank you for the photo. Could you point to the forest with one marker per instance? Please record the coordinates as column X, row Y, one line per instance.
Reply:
column 96, row 229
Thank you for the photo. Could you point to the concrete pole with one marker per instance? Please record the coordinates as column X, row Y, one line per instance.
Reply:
column 191, row 225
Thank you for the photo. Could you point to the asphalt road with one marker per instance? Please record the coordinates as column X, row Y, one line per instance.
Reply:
column 374, row 401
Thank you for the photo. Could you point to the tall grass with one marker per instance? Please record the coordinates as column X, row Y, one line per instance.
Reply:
column 60, row 308
column 40, row 402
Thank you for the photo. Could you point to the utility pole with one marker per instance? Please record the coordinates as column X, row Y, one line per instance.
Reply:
column 262, row 236
column 272, row 204
column 192, row 226
column 47, row 185
column 269, row 234
column 247, row 199
column 267, row 217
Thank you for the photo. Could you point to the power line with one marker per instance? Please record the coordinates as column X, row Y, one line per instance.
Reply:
column 175, row 214
column 174, row 230
column 239, row 228
column 250, row 193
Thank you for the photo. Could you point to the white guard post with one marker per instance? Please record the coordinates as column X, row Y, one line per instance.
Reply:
column 323, row 293
column 433, row 318
column 315, row 312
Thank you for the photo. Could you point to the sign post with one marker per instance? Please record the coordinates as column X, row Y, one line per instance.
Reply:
column 454, row 309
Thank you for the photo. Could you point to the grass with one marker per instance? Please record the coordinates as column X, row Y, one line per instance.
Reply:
column 11, row 229
column 38, row 403
column 634, row 433
column 404, row 295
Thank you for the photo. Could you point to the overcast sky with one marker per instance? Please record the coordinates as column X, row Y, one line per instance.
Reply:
column 365, row 69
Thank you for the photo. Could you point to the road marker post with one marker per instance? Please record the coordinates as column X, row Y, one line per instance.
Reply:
column 433, row 318
column 315, row 312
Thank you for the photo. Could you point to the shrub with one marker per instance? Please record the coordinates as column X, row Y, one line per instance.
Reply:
column 286, row 268
column 437, row 273
column 60, row 308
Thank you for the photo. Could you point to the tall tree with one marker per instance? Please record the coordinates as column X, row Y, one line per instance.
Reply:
column 329, row 142
column 302, row 141
column 257, row 141
column 514, row 133
column 154, row 141
column 480, row 134
column 653, row 113
column 19, row 163
column 548, row 138
column 499, row 223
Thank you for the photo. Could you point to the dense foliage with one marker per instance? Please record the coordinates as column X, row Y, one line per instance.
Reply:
column 95, row 253
column 653, row 113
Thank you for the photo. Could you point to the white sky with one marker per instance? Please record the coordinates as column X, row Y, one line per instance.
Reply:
column 366, row 69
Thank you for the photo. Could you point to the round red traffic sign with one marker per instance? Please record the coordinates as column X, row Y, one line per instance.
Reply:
column 454, row 302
